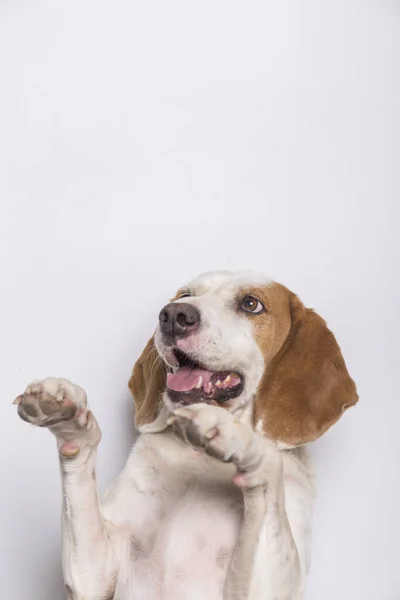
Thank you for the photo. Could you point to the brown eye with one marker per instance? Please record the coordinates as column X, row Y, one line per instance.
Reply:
column 185, row 294
column 252, row 305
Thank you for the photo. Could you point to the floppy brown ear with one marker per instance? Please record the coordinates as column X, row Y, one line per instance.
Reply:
column 147, row 384
column 306, row 387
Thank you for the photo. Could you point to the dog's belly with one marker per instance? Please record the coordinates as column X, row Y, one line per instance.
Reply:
column 184, row 553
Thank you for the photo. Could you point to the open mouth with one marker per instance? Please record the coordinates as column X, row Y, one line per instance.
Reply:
column 192, row 382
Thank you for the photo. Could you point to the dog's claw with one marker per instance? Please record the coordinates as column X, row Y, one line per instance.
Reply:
column 211, row 433
column 60, row 395
column 183, row 413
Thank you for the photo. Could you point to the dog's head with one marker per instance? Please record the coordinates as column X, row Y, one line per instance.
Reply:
column 249, row 345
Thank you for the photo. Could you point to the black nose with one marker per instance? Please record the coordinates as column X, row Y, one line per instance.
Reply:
column 177, row 320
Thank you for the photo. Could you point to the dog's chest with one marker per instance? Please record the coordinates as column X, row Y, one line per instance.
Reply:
column 179, row 540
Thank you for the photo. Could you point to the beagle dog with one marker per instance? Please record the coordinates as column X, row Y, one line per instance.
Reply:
column 215, row 500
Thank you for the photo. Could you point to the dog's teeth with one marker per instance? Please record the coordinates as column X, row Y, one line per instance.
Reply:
column 227, row 380
column 218, row 384
column 208, row 387
column 199, row 383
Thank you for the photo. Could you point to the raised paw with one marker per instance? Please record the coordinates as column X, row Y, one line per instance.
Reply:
column 219, row 432
column 224, row 437
column 62, row 407
column 52, row 401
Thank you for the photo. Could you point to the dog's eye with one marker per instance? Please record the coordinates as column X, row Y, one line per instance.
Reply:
column 252, row 305
column 185, row 294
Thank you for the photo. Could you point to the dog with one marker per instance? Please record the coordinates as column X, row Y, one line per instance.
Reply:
column 215, row 500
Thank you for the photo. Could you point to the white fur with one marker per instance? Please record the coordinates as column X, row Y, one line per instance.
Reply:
column 225, row 340
column 174, row 526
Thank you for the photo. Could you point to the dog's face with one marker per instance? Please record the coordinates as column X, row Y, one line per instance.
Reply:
column 216, row 338
column 247, row 344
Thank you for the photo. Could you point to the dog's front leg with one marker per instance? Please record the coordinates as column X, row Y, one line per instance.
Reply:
column 88, row 552
column 266, row 564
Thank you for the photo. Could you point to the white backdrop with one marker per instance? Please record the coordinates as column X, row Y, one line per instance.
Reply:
column 142, row 142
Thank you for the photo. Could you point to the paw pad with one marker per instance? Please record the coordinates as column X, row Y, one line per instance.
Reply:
column 50, row 402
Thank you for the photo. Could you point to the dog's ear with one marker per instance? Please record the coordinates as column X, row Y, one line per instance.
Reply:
column 306, row 387
column 147, row 384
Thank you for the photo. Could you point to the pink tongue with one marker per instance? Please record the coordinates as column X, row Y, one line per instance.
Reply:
column 185, row 379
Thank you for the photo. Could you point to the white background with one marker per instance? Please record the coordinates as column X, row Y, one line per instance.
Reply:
column 144, row 141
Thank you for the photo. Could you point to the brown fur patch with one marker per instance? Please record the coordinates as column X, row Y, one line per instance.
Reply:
column 271, row 328
column 306, row 386
column 147, row 384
